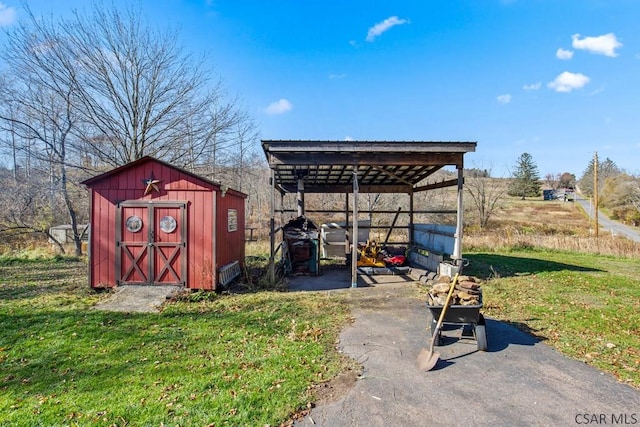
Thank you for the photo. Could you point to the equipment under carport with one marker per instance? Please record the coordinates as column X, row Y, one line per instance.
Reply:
column 372, row 254
column 301, row 247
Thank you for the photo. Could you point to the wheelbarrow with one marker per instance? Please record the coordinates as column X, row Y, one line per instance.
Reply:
column 461, row 315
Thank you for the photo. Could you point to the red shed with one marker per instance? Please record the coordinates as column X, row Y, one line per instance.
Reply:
column 155, row 224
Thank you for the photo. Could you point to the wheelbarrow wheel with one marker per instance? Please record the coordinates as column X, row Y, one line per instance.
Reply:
column 481, row 334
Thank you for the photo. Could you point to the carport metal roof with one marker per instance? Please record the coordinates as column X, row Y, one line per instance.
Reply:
column 382, row 166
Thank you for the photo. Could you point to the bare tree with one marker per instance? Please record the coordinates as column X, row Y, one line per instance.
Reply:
column 238, row 153
column 371, row 201
column 552, row 181
column 486, row 195
column 134, row 90
column 606, row 169
column 635, row 201
column 567, row 180
column 102, row 89
column 621, row 196
column 27, row 208
column 635, row 197
column 40, row 114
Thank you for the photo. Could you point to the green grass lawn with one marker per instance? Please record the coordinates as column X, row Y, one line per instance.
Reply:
column 253, row 359
column 209, row 360
column 587, row 306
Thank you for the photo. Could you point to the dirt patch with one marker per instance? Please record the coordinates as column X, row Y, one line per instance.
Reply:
column 337, row 387
column 138, row 299
column 326, row 393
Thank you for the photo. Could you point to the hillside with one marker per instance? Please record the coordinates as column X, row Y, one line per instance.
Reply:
column 555, row 225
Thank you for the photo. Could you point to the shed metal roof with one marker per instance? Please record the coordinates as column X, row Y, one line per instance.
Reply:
column 382, row 166
column 91, row 182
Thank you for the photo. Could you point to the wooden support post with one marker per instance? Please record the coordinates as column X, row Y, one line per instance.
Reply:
column 457, row 247
column 300, row 196
column 271, row 276
column 346, row 224
column 354, row 234
column 411, row 218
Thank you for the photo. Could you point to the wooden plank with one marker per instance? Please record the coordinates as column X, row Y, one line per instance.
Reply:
column 361, row 159
column 337, row 188
column 441, row 184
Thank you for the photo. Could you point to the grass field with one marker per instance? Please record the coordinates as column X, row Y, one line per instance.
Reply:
column 586, row 306
column 208, row 360
column 546, row 224
column 549, row 276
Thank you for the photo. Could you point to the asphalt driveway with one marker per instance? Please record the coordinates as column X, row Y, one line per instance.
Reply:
column 616, row 228
column 519, row 381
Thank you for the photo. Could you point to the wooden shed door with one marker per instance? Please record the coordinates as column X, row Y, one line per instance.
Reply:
column 151, row 244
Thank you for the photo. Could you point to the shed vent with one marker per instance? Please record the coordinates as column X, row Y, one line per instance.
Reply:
column 229, row 272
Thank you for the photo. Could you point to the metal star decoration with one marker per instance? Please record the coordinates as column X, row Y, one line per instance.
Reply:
column 152, row 184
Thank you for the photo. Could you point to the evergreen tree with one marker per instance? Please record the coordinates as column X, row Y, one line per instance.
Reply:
column 525, row 180
column 606, row 169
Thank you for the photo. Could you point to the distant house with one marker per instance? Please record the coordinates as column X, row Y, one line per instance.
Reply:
column 565, row 194
column 64, row 233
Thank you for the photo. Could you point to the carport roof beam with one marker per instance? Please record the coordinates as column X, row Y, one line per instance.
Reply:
column 392, row 166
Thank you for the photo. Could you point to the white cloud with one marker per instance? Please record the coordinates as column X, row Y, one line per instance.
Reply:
column 348, row 138
column 532, row 86
column 567, row 81
column 383, row 26
column 7, row 15
column 504, row 99
column 337, row 76
column 564, row 54
column 279, row 107
column 603, row 45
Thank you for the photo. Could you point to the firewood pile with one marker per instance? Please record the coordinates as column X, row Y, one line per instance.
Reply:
column 467, row 291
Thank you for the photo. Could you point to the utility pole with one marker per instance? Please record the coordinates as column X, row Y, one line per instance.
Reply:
column 595, row 191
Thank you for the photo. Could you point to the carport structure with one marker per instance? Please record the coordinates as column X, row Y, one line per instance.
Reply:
column 353, row 167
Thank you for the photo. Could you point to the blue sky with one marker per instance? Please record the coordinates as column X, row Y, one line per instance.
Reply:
column 559, row 79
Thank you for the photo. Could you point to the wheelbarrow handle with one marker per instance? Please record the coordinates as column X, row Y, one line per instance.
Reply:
column 443, row 311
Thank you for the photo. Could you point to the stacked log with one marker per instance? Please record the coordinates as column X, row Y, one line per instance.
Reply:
column 467, row 291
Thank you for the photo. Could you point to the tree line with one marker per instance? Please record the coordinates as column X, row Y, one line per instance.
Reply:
column 618, row 190
column 100, row 89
